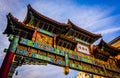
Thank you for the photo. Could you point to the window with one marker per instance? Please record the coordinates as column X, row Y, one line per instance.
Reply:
column 60, row 43
column 41, row 24
column 45, row 26
column 50, row 28
column 35, row 22
column 72, row 47
column 65, row 44
column 70, row 33
column 56, row 31
column 82, row 37
column 77, row 34
column 86, row 38
column 68, row 46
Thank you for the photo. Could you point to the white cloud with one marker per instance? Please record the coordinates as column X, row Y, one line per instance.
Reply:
column 108, row 31
column 82, row 15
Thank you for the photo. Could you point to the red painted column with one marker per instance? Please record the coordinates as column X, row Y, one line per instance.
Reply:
column 6, row 65
column 35, row 35
column 9, row 56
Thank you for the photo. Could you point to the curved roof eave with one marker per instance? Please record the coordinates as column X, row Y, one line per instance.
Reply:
column 84, row 31
column 15, row 21
column 39, row 15
column 106, row 44
column 114, row 40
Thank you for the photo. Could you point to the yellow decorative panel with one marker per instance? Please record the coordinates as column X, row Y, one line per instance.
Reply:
column 22, row 47
column 83, row 75
column 44, row 39
column 33, row 50
column 51, row 55
column 42, row 53
column 95, row 76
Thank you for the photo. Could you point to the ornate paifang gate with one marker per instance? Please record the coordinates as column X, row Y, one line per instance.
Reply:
column 39, row 39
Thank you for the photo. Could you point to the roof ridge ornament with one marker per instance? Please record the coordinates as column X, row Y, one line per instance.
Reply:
column 29, row 6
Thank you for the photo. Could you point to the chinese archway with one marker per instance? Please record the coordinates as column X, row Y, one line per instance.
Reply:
column 39, row 39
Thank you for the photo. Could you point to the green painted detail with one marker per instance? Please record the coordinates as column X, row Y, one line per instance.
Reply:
column 36, row 45
column 31, row 22
column 63, row 49
column 54, row 50
column 5, row 50
column 71, row 52
column 105, row 72
column 60, row 62
column 30, row 43
column 75, row 66
column 57, row 52
column 11, row 22
column 70, row 36
column 10, row 74
column 80, row 67
column 23, row 41
column 11, row 37
column 13, row 44
column 79, row 40
column 46, row 32
column 41, row 57
column 66, row 60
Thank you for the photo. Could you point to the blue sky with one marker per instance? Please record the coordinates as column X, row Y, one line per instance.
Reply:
column 97, row 16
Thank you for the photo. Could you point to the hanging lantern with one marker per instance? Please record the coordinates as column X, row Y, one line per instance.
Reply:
column 66, row 70
column 16, row 73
